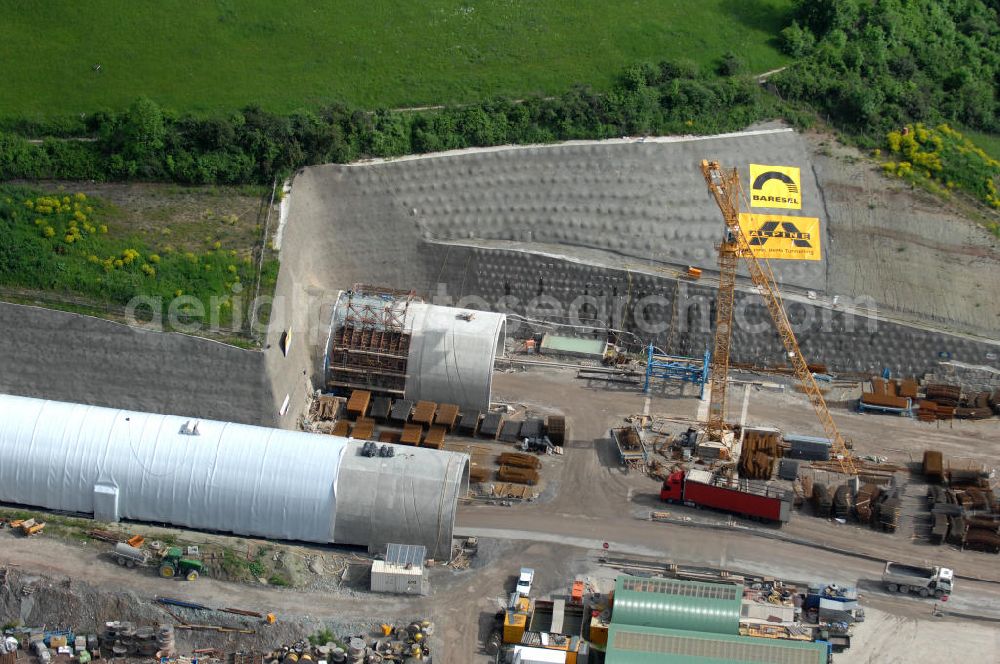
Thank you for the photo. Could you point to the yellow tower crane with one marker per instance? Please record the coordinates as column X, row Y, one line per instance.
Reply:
column 728, row 193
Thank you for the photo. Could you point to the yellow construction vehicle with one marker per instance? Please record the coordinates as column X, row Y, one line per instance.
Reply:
column 28, row 527
column 725, row 187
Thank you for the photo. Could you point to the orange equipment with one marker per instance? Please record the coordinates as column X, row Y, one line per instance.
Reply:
column 725, row 186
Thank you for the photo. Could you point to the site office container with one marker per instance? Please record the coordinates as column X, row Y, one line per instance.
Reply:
column 697, row 488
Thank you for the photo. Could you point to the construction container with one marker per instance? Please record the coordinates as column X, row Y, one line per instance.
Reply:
column 531, row 428
column 381, row 407
column 510, row 431
column 364, row 429
column 402, row 571
column 434, row 438
column 357, row 405
column 468, row 425
column 446, row 416
column 400, row 413
column 807, row 448
column 411, row 434
column 423, row 412
column 342, row 428
column 490, row 426
column 788, row 469
column 389, row 436
column 933, row 466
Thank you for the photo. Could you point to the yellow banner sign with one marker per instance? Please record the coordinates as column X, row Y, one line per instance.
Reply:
column 775, row 187
column 773, row 236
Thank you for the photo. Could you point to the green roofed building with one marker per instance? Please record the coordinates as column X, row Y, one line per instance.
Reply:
column 628, row 644
column 678, row 604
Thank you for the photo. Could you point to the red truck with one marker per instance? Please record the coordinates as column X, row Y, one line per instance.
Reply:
column 755, row 500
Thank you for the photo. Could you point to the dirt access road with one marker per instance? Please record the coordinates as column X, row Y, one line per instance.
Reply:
column 597, row 502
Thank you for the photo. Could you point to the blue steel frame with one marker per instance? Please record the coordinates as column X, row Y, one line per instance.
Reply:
column 904, row 412
column 672, row 367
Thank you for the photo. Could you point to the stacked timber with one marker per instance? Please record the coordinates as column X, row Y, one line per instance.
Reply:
column 517, row 475
column 760, row 450
column 479, row 473
column 944, row 395
column 519, row 460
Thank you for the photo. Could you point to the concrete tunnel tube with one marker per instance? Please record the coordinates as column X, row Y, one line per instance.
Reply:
column 220, row 476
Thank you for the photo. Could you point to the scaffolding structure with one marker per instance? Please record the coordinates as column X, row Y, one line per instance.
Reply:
column 369, row 342
column 673, row 367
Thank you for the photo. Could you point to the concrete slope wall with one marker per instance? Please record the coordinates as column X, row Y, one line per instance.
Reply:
column 914, row 253
column 577, row 215
column 64, row 356
column 639, row 200
column 845, row 340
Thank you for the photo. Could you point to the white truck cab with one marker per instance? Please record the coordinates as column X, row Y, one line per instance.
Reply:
column 524, row 581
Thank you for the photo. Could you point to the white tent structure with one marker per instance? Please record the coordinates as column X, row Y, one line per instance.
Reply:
column 210, row 475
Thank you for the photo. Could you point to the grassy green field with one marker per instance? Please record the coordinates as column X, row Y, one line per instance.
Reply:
column 147, row 241
column 205, row 55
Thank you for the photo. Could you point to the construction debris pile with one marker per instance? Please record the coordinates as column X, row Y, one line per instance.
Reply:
column 118, row 639
column 964, row 508
column 876, row 505
column 396, row 643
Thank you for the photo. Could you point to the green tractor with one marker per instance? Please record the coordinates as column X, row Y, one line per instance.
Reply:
column 175, row 564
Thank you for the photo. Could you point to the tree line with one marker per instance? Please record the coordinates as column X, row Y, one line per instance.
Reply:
column 865, row 67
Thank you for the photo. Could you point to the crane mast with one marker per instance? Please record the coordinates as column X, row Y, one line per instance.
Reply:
column 725, row 188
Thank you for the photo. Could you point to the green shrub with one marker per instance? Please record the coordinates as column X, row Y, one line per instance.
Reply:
column 279, row 580
column 943, row 160
column 58, row 243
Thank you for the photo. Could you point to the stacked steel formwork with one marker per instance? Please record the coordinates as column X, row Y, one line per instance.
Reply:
column 369, row 343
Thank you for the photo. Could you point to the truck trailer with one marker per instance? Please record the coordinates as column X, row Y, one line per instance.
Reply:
column 756, row 500
column 925, row 581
